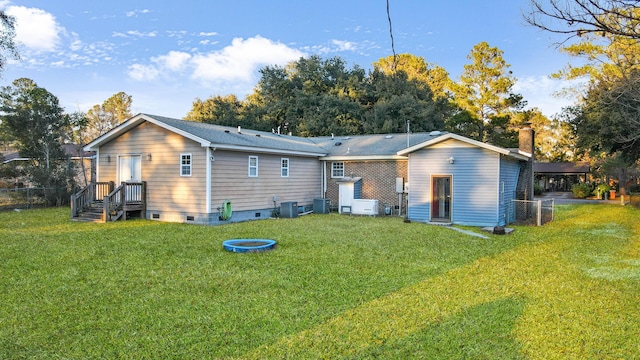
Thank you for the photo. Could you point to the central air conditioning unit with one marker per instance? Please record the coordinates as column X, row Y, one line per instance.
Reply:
column 289, row 209
column 321, row 206
column 364, row 207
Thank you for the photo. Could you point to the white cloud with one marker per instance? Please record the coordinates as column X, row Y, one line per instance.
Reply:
column 76, row 43
column 336, row 46
column 241, row 59
column 142, row 34
column 344, row 45
column 207, row 42
column 136, row 12
column 208, row 34
column 35, row 28
column 143, row 72
column 236, row 62
column 176, row 34
column 544, row 93
column 134, row 33
column 174, row 60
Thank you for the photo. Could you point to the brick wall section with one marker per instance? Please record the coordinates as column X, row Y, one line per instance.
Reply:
column 378, row 181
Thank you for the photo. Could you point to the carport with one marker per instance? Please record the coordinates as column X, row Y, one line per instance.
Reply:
column 560, row 176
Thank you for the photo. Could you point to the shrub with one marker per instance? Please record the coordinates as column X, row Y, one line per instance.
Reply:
column 537, row 189
column 635, row 188
column 600, row 190
column 581, row 191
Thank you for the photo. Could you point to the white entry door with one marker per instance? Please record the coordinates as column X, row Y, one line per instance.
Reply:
column 345, row 195
column 130, row 170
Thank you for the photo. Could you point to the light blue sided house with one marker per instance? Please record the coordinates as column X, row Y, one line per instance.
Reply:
column 454, row 179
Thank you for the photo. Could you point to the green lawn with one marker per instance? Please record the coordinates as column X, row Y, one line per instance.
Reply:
column 336, row 287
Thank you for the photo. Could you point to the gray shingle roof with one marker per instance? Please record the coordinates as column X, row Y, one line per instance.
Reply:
column 224, row 135
column 371, row 145
column 360, row 145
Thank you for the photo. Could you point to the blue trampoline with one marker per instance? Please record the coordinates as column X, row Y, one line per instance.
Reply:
column 248, row 245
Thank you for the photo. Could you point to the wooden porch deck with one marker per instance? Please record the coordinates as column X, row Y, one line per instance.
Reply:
column 103, row 201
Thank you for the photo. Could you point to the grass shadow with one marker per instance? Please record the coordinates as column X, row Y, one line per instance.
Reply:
column 485, row 331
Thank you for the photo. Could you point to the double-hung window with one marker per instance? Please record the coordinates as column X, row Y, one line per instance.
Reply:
column 337, row 169
column 284, row 167
column 185, row 164
column 253, row 166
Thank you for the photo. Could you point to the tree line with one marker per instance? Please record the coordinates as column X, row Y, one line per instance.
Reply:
column 314, row 97
column 605, row 122
column 33, row 121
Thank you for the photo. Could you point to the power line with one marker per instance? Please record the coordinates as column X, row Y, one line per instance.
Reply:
column 393, row 49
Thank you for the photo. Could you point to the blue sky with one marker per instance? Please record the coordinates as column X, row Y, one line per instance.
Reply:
column 167, row 53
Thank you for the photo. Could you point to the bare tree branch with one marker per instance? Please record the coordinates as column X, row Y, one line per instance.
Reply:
column 576, row 18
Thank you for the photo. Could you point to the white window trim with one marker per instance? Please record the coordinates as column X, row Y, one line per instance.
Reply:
column 190, row 165
column 250, row 167
column 283, row 167
column 337, row 162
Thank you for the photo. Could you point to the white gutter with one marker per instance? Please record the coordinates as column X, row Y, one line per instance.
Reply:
column 363, row 157
column 264, row 150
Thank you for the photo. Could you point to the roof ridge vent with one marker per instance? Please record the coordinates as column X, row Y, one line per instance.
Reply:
column 435, row 133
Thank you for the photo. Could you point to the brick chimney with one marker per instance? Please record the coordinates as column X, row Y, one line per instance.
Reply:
column 526, row 145
column 527, row 139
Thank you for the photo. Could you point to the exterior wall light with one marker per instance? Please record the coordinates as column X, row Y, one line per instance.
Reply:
column 451, row 160
column 149, row 157
column 108, row 158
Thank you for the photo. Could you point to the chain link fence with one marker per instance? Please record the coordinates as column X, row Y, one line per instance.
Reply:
column 531, row 212
column 30, row 198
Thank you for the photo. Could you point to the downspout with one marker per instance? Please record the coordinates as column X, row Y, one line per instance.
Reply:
column 209, row 162
column 324, row 179
column 97, row 166
column 499, row 178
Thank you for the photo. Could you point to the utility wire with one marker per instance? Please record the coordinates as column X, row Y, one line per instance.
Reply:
column 393, row 49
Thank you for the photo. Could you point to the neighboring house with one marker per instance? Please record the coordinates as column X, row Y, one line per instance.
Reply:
column 84, row 161
column 192, row 171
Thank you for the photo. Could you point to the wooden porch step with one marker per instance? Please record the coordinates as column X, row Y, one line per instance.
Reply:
column 92, row 213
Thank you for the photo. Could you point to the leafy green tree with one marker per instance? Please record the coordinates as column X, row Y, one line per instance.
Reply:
column 294, row 98
column 328, row 114
column 394, row 101
column 416, row 68
column 554, row 140
column 277, row 93
column 118, row 106
column 484, row 88
column 220, row 110
column 608, row 119
column 34, row 118
column 7, row 35
column 314, row 96
column 621, row 167
column 102, row 118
